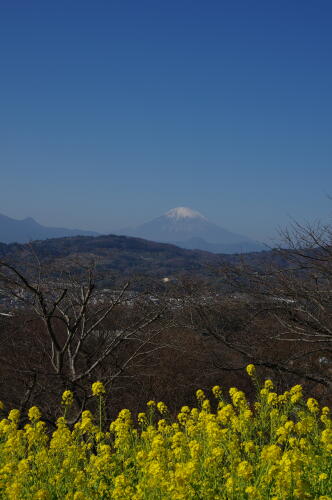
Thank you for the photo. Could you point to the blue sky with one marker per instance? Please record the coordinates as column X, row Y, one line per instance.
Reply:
column 113, row 112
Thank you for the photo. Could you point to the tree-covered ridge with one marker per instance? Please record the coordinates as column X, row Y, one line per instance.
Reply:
column 127, row 255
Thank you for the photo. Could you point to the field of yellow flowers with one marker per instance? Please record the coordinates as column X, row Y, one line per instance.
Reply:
column 280, row 448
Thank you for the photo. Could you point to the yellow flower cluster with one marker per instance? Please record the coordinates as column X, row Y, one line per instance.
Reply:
column 67, row 398
column 278, row 448
column 98, row 389
column 251, row 370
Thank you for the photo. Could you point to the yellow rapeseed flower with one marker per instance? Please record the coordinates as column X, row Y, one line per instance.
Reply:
column 326, row 438
column 216, row 391
column 14, row 415
column 67, row 398
column 251, row 370
column 258, row 451
column 272, row 398
column 245, row 469
column 325, row 410
column 252, row 492
column 41, row 495
column 312, row 405
column 268, row 384
column 141, row 417
column 98, row 389
column 200, row 395
column 271, row 453
column 162, row 408
column 34, row 413
column 295, row 398
column 78, row 495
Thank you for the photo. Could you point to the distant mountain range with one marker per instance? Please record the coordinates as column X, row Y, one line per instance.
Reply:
column 180, row 226
column 25, row 230
column 189, row 229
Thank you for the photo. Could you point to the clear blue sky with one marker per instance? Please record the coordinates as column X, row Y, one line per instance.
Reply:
column 113, row 112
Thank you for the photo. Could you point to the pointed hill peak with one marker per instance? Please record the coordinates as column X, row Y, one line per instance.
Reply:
column 184, row 213
column 28, row 229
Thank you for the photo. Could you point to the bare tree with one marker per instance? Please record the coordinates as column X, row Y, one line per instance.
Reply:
column 81, row 332
column 275, row 312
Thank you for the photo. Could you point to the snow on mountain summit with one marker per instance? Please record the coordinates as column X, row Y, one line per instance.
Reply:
column 183, row 213
column 188, row 228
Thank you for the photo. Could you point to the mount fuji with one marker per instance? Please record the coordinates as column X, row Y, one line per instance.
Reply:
column 188, row 228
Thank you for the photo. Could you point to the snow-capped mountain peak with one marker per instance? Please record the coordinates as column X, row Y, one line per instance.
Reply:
column 188, row 228
column 183, row 213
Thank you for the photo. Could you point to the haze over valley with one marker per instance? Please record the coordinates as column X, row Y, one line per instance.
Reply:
column 181, row 226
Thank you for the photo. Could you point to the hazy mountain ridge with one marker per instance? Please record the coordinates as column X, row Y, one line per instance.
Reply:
column 25, row 230
column 180, row 226
column 217, row 248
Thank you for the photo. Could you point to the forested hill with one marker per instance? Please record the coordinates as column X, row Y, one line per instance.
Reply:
column 123, row 256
